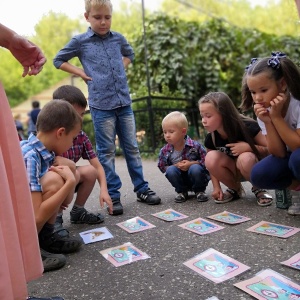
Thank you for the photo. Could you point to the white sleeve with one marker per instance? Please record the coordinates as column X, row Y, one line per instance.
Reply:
column 262, row 126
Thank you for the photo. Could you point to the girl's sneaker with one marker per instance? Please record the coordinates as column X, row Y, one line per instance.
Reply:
column 294, row 209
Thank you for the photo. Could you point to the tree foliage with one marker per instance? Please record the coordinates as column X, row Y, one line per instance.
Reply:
column 276, row 17
column 195, row 58
column 191, row 48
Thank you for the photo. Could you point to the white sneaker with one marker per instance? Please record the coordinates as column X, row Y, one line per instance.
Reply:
column 294, row 209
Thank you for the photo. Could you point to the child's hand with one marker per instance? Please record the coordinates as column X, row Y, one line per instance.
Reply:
column 262, row 113
column 238, row 148
column 64, row 172
column 277, row 105
column 82, row 74
column 217, row 194
column 62, row 161
column 183, row 165
column 104, row 197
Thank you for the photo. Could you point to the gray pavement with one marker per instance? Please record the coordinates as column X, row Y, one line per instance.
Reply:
column 88, row 276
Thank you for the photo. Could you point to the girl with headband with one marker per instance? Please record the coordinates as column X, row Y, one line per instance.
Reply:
column 271, row 84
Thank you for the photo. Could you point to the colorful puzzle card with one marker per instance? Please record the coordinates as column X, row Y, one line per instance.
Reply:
column 170, row 215
column 216, row 266
column 229, row 218
column 273, row 229
column 135, row 225
column 293, row 262
column 123, row 254
column 270, row 285
column 201, row 226
column 95, row 235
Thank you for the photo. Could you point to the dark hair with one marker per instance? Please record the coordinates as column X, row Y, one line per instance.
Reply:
column 285, row 68
column 35, row 104
column 71, row 94
column 232, row 120
column 57, row 114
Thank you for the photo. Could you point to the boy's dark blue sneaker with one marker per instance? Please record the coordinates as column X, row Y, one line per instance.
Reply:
column 117, row 207
column 148, row 197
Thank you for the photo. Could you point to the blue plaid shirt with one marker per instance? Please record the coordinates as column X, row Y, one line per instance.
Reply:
column 37, row 161
column 192, row 151
column 102, row 59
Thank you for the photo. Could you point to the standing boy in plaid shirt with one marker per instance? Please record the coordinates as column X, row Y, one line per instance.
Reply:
column 86, row 175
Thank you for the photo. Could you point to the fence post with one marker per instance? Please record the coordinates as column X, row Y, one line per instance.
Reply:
column 151, row 121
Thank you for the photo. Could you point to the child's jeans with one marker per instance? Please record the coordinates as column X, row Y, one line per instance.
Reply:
column 194, row 179
column 108, row 124
column 276, row 173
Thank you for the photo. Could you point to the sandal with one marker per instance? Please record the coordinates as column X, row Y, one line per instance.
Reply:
column 229, row 196
column 265, row 196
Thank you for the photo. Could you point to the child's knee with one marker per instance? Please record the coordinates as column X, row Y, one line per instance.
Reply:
column 246, row 160
column 212, row 157
column 86, row 174
column 171, row 171
column 51, row 182
column 195, row 170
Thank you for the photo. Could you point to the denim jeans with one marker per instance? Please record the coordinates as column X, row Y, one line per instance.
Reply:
column 195, row 179
column 276, row 173
column 108, row 124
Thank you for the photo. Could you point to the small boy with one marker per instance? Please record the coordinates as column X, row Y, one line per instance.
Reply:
column 105, row 55
column 86, row 175
column 51, row 186
column 182, row 159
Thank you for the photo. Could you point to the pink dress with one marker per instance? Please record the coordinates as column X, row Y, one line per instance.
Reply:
column 20, row 259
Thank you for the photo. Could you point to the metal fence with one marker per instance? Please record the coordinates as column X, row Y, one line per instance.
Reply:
column 149, row 112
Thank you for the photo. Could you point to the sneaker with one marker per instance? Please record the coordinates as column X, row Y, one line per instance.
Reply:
column 201, row 197
column 181, row 197
column 294, row 209
column 58, row 244
column 52, row 261
column 58, row 226
column 51, row 298
column 148, row 197
column 117, row 207
column 82, row 216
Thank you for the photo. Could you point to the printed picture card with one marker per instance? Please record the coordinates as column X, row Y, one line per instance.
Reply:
column 229, row 218
column 123, row 254
column 269, row 285
column 95, row 235
column 170, row 215
column 293, row 262
column 273, row 229
column 135, row 225
column 201, row 226
column 216, row 266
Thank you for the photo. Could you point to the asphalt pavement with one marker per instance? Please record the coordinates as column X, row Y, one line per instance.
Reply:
column 89, row 276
